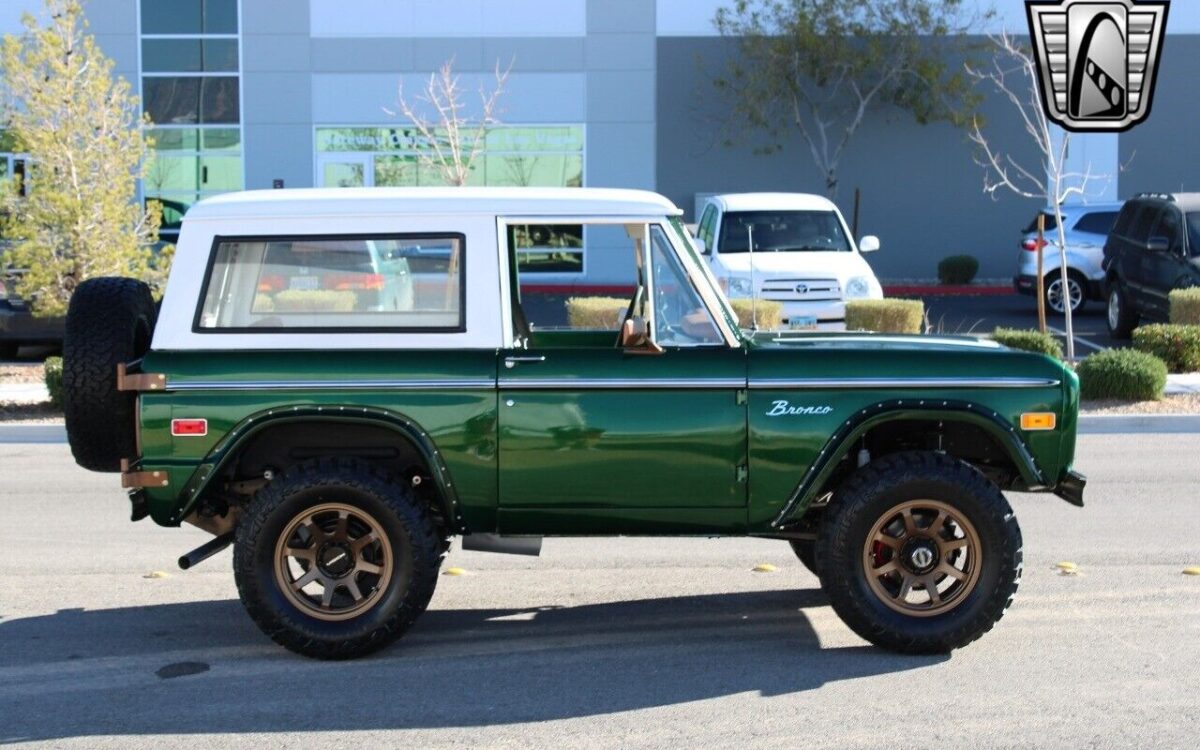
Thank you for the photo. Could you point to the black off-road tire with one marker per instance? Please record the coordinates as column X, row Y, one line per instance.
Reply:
column 872, row 492
column 415, row 540
column 109, row 321
column 806, row 553
column 1120, row 315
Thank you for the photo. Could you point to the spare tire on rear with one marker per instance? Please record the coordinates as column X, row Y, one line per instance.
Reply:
column 109, row 322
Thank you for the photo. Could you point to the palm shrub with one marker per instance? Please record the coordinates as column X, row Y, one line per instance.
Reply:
column 1125, row 374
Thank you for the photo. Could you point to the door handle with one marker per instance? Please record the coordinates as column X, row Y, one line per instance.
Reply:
column 511, row 362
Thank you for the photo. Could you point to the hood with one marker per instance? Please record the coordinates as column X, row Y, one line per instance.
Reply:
column 841, row 265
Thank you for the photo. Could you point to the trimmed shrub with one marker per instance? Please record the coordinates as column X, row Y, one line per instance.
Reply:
column 1185, row 306
column 54, row 380
column 885, row 315
column 1178, row 346
column 315, row 300
column 596, row 313
column 958, row 269
column 1029, row 341
column 1125, row 374
column 768, row 312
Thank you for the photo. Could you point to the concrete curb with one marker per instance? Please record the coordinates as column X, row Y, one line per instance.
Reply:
column 1115, row 424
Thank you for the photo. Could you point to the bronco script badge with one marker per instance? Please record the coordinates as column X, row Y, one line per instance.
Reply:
column 1097, row 59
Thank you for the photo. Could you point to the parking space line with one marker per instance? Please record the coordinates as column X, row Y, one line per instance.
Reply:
column 1078, row 340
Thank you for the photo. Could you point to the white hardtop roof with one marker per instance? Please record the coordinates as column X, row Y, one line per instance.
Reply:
column 448, row 200
column 773, row 202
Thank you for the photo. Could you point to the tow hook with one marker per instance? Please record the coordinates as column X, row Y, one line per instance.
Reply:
column 206, row 550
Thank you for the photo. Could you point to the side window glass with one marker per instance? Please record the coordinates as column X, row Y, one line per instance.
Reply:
column 1168, row 226
column 1100, row 222
column 1124, row 220
column 263, row 284
column 1145, row 221
column 553, row 308
column 706, row 227
column 680, row 316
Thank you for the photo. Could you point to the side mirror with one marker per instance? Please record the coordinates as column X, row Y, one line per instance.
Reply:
column 699, row 244
column 635, row 337
column 1158, row 244
column 868, row 244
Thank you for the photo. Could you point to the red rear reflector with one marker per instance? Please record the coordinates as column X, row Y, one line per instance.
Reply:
column 189, row 427
column 1032, row 245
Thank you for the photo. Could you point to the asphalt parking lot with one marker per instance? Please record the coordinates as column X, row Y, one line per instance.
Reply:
column 601, row 642
column 983, row 314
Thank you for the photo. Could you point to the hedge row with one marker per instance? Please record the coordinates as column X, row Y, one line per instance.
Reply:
column 1185, row 306
column 1029, row 341
column 1177, row 345
column 886, row 315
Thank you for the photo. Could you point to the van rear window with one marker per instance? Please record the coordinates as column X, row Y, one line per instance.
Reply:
column 352, row 283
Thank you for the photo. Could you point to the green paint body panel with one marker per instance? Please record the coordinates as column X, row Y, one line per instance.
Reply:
column 582, row 438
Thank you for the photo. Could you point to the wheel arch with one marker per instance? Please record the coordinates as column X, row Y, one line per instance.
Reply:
column 967, row 420
column 411, row 441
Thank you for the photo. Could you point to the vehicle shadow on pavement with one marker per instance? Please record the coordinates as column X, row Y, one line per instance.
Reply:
column 85, row 673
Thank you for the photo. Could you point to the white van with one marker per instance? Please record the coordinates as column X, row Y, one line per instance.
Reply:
column 793, row 248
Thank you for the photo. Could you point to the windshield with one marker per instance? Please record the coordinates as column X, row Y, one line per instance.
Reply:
column 1193, row 223
column 782, row 231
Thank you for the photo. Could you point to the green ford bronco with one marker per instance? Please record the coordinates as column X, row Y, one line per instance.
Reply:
column 339, row 382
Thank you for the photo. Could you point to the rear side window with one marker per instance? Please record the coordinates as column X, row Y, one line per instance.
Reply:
column 1051, row 223
column 1100, row 222
column 351, row 283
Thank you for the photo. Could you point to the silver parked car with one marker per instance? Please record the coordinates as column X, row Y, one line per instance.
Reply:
column 1087, row 228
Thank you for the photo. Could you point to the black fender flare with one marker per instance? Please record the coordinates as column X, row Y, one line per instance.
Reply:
column 942, row 410
column 229, row 447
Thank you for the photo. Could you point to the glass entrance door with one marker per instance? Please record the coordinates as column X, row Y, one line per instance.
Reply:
column 344, row 170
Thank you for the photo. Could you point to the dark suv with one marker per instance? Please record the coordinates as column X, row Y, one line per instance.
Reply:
column 1153, row 248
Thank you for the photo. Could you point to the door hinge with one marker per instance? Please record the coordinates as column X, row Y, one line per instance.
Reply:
column 742, row 473
column 740, row 397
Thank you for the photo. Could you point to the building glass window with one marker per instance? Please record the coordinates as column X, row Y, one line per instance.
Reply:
column 513, row 156
column 191, row 90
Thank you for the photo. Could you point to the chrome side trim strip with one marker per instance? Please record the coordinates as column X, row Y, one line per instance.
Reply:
column 610, row 384
column 898, row 383
column 331, row 385
column 554, row 384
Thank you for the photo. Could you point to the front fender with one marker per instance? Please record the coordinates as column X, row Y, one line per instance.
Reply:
column 228, row 448
column 844, row 438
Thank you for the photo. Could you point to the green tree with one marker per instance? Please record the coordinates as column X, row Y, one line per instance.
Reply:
column 819, row 66
column 85, row 136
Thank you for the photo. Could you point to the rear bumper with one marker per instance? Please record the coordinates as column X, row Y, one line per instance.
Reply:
column 1070, row 487
column 1025, row 285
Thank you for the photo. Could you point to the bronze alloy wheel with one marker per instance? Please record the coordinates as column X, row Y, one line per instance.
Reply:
column 333, row 561
column 922, row 558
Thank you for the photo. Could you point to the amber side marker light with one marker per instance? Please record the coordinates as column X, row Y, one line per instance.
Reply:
column 1038, row 421
column 189, row 427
